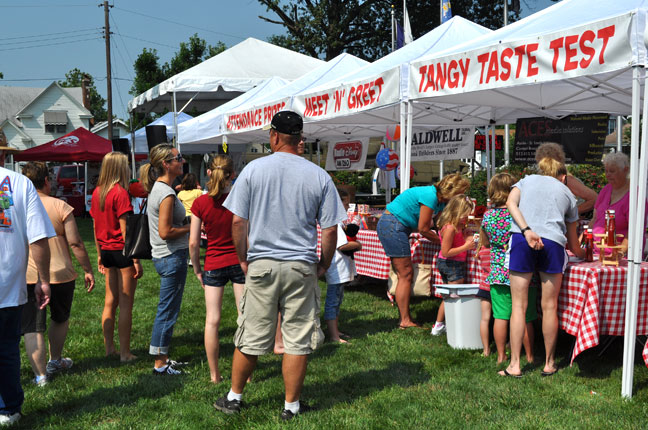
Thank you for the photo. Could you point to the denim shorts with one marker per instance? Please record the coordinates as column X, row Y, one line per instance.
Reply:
column 451, row 270
column 334, row 297
column 220, row 277
column 394, row 236
column 524, row 259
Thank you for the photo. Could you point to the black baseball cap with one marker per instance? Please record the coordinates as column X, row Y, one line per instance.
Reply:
column 287, row 122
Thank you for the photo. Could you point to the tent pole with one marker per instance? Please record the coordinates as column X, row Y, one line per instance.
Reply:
column 619, row 132
column 491, row 141
column 401, row 146
column 85, row 185
column 132, row 126
column 405, row 170
column 631, row 288
column 175, row 121
column 506, row 145
column 486, row 155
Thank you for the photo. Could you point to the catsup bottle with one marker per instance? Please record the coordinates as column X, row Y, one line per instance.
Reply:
column 611, row 228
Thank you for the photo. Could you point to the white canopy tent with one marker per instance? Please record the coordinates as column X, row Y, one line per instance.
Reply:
column 224, row 76
column 166, row 120
column 204, row 129
column 575, row 56
column 246, row 123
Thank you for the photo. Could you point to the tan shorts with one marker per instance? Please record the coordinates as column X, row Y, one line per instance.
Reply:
column 289, row 287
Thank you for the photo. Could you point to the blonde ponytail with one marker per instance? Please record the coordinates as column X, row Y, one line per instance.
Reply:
column 222, row 170
column 149, row 172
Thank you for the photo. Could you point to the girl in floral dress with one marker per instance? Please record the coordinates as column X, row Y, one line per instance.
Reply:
column 496, row 224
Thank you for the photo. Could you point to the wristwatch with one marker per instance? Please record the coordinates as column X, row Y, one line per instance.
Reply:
column 527, row 228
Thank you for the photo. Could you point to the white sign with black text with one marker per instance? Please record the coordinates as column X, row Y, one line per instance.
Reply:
column 446, row 143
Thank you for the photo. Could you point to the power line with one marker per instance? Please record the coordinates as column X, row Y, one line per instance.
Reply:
column 45, row 6
column 179, row 23
column 144, row 40
column 51, row 44
column 51, row 34
column 25, row 42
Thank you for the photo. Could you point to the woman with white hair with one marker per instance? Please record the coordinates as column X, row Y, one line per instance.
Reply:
column 615, row 195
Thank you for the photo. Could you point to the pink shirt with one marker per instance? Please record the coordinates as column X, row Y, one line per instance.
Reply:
column 621, row 212
column 457, row 241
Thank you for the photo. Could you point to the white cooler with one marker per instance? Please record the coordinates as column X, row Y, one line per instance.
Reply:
column 462, row 314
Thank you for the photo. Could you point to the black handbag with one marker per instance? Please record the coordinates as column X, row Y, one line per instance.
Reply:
column 137, row 243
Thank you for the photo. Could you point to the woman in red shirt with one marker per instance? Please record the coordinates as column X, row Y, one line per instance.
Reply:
column 110, row 205
column 221, row 263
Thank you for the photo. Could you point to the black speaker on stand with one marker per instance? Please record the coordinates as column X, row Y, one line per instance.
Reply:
column 155, row 134
column 121, row 145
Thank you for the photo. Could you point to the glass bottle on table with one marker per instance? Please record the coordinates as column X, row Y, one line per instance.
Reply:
column 589, row 245
column 611, row 228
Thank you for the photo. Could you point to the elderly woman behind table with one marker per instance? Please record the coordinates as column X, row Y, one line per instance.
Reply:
column 585, row 195
column 544, row 211
column 413, row 211
column 616, row 196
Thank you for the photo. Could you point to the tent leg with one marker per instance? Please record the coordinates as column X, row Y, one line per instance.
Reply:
column 132, row 125
column 632, row 289
column 401, row 146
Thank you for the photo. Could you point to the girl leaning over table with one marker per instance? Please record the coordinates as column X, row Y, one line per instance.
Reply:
column 544, row 211
column 169, row 236
column 413, row 211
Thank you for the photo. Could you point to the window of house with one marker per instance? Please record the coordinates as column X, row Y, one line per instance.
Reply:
column 56, row 121
column 115, row 133
column 254, row 150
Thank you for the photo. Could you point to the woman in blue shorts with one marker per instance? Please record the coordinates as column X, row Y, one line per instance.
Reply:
column 412, row 211
column 544, row 211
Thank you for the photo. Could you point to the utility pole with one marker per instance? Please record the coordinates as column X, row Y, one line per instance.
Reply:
column 108, row 67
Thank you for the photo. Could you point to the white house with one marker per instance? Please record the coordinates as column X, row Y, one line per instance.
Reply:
column 120, row 129
column 32, row 116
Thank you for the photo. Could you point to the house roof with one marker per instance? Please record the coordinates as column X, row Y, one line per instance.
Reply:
column 15, row 99
column 72, row 94
column 103, row 124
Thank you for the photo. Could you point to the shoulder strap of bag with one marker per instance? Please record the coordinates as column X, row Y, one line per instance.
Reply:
column 143, row 208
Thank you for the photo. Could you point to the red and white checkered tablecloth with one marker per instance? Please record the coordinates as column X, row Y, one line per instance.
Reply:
column 592, row 303
column 372, row 261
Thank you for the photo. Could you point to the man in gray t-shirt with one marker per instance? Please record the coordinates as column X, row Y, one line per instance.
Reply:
column 277, row 202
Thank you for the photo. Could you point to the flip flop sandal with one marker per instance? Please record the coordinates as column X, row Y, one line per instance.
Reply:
column 543, row 373
column 506, row 373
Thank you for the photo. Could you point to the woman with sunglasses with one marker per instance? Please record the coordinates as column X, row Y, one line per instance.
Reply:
column 169, row 235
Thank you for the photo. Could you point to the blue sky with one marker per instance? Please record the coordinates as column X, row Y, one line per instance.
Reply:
column 41, row 40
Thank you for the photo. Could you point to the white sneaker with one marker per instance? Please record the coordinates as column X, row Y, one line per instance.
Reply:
column 438, row 329
column 7, row 420
column 40, row 381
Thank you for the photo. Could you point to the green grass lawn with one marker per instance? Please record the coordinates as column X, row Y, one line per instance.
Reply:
column 387, row 378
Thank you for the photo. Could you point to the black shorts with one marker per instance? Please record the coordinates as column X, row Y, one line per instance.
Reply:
column 34, row 319
column 115, row 259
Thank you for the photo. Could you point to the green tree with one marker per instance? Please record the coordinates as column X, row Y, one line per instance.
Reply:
column 1, row 75
column 149, row 72
column 74, row 78
column 327, row 28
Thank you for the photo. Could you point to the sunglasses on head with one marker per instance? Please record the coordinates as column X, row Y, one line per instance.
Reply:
column 177, row 158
